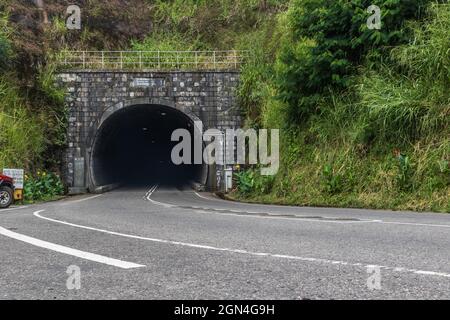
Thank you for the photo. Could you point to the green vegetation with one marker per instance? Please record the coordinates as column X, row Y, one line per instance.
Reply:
column 5, row 46
column 364, row 114
column 327, row 41
column 42, row 187
column 365, row 130
column 21, row 136
column 32, row 123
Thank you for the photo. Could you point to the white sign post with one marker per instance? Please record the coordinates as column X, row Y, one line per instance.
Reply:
column 17, row 175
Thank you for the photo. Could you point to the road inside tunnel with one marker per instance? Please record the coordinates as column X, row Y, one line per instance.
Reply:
column 133, row 148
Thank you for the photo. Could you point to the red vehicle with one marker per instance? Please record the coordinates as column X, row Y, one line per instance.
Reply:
column 6, row 191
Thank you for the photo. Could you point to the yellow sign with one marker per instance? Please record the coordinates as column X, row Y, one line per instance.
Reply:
column 18, row 194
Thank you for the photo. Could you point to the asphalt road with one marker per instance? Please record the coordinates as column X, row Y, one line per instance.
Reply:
column 173, row 243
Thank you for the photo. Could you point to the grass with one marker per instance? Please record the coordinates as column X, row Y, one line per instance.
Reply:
column 384, row 143
column 21, row 136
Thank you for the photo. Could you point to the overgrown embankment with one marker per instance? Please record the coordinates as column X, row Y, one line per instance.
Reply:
column 364, row 114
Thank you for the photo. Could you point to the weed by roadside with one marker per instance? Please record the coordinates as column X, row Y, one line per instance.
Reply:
column 42, row 187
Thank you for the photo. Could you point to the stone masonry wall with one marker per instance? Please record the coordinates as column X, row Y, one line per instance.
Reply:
column 208, row 96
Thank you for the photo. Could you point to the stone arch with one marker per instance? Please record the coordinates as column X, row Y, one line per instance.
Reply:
column 130, row 103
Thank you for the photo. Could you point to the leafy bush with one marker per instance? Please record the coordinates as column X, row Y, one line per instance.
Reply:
column 252, row 182
column 444, row 172
column 405, row 172
column 333, row 182
column 43, row 186
column 245, row 181
column 329, row 39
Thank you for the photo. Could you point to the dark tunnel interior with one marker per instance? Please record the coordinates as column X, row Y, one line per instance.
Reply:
column 133, row 148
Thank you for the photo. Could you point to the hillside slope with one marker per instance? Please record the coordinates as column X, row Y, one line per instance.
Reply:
column 364, row 114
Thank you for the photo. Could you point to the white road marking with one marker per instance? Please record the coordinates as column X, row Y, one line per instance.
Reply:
column 414, row 224
column 149, row 194
column 68, row 251
column 61, row 202
column 81, row 200
column 12, row 209
column 246, row 252
column 203, row 197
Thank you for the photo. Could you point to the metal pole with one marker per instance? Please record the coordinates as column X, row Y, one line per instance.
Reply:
column 214, row 55
column 121, row 60
column 159, row 60
column 103, row 59
column 84, row 60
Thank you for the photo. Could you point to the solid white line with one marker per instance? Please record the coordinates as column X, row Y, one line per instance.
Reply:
column 12, row 209
column 81, row 200
column 69, row 251
column 149, row 194
column 61, row 202
column 414, row 224
column 239, row 251
column 203, row 197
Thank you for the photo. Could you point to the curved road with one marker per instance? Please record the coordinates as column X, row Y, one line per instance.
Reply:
column 174, row 243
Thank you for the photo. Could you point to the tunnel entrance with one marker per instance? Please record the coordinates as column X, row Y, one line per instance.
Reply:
column 133, row 148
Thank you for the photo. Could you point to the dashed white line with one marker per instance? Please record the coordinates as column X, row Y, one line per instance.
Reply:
column 69, row 251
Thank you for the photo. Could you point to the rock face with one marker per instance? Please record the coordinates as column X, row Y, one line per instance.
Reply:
column 93, row 96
